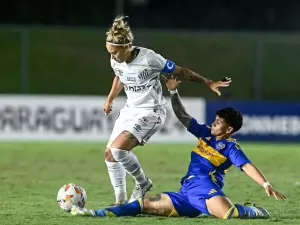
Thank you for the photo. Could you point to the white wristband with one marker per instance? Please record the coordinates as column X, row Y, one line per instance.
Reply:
column 266, row 184
column 173, row 91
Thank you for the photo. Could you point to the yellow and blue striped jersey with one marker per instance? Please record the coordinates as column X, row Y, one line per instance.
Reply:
column 213, row 157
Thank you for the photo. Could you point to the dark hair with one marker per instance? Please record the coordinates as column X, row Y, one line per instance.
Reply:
column 231, row 116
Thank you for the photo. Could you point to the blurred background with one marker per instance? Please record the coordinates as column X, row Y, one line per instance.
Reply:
column 58, row 47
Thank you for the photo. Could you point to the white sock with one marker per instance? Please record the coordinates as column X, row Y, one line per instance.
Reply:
column 131, row 164
column 133, row 167
column 117, row 175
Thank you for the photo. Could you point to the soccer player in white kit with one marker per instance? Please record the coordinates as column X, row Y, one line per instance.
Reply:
column 138, row 71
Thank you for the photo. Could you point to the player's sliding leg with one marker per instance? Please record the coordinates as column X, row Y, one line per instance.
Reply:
column 222, row 208
column 121, row 152
column 160, row 205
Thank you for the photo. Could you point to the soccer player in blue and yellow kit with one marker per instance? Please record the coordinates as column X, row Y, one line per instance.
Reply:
column 201, row 191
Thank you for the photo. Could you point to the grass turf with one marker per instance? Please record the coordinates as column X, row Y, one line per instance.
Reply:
column 32, row 173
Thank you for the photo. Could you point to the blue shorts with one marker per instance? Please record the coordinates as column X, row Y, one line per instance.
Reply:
column 190, row 201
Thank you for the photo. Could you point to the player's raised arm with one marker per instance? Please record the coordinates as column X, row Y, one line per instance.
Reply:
column 116, row 88
column 184, row 73
column 178, row 107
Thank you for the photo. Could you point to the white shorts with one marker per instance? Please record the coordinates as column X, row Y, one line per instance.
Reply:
column 142, row 123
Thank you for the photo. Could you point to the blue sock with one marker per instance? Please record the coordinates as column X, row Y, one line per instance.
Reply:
column 130, row 209
column 245, row 212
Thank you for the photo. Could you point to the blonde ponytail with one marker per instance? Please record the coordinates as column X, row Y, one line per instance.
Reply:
column 120, row 32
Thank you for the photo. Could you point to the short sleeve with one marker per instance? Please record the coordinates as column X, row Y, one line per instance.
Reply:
column 197, row 129
column 238, row 157
column 112, row 64
column 159, row 63
column 117, row 71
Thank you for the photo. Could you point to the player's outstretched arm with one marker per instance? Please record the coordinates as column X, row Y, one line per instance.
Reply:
column 177, row 105
column 157, row 62
column 259, row 178
column 184, row 73
column 188, row 74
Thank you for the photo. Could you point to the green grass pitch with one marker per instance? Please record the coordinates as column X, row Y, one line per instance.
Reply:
column 32, row 173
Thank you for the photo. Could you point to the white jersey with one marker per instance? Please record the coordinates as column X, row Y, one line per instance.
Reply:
column 141, row 78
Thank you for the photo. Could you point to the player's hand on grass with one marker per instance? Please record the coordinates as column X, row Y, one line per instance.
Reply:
column 272, row 192
column 214, row 86
column 107, row 107
column 172, row 83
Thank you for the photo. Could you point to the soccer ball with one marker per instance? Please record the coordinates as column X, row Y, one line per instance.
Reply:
column 69, row 195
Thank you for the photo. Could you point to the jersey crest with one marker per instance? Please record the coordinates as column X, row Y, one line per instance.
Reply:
column 220, row 146
column 144, row 74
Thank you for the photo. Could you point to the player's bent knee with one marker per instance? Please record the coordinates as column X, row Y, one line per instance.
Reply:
column 125, row 141
column 220, row 207
column 108, row 155
column 119, row 154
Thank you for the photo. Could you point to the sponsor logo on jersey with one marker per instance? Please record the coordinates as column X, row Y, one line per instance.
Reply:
column 131, row 79
column 141, row 88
